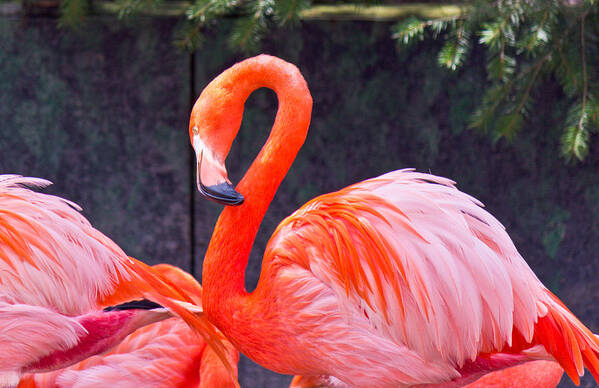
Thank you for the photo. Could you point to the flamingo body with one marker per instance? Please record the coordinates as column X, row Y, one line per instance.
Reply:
column 57, row 276
column 398, row 281
column 165, row 354
column 537, row 374
column 343, row 280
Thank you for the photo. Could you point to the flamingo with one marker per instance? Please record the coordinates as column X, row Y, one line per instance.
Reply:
column 537, row 374
column 397, row 281
column 68, row 292
column 166, row 354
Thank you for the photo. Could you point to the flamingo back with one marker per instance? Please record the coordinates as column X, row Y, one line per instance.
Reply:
column 423, row 264
column 50, row 255
column 416, row 256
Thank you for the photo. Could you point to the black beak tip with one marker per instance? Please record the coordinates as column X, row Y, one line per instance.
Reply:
column 222, row 193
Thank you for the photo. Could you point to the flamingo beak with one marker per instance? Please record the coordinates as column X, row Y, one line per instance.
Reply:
column 211, row 178
column 222, row 193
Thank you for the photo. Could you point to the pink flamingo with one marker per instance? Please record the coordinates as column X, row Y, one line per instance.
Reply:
column 166, row 354
column 68, row 292
column 535, row 374
column 398, row 281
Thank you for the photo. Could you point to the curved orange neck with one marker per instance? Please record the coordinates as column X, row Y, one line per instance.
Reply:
column 225, row 299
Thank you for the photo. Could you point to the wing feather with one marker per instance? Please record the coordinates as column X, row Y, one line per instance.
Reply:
column 411, row 244
column 49, row 253
column 45, row 331
column 162, row 355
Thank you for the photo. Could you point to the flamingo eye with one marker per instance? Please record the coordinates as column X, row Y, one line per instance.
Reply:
column 195, row 130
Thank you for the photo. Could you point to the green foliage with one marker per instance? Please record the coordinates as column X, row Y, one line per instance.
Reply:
column 288, row 11
column 250, row 27
column 72, row 13
column 127, row 7
column 253, row 18
column 525, row 42
column 409, row 30
column 454, row 51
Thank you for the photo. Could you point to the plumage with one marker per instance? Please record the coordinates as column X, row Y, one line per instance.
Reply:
column 166, row 354
column 537, row 374
column 57, row 273
column 43, row 240
column 397, row 281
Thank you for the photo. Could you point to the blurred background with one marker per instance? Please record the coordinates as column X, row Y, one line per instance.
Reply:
column 97, row 100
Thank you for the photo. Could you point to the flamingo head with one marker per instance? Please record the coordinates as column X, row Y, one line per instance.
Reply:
column 212, row 129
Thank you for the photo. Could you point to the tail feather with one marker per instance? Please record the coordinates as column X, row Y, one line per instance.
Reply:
column 571, row 343
column 165, row 292
column 181, row 279
column 590, row 359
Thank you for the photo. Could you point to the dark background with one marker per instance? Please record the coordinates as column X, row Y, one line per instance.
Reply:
column 103, row 113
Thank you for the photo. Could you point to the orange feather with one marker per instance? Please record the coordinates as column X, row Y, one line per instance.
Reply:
column 165, row 354
column 534, row 374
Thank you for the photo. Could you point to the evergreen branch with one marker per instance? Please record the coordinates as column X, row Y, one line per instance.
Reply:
column 575, row 143
column 128, row 7
column 500, row 67
column 164, row 9
column 73, row 13
column 191, row 40
column 194, row 14
column 355, row 12
column 412, row 28
column 491, row 33
column 289, row 10
column 408, row 30
column 508, row 125
column 537, row 69
column 523, row 39
column 244, row 32
column 508, row 86
column 515, row 118
column 482, row 115
column 539, row 29
column 452, row 54
column 248, row 30
column 565, row 62
column 439, row 25
column 204, row 10
column 496, row 30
